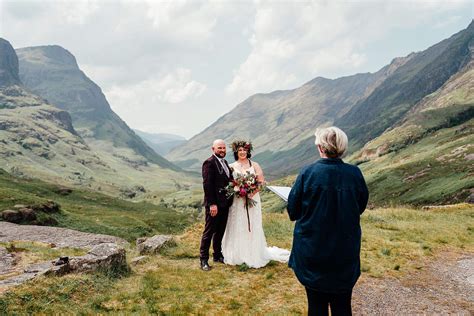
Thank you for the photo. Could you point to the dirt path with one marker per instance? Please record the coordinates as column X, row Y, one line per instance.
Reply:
column 60, row 237
column 444, row 286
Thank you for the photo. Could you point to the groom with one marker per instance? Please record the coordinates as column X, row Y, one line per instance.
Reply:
column 216, row 176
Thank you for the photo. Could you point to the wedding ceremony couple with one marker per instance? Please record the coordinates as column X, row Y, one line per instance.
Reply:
column 326, row 202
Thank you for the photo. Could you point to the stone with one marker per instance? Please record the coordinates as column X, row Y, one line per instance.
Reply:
column 7, row 261
column 48, row 207
column 18, row 206
column 106, row 256
column 12, row 216
column 154, row 244
column 138, row 260
column 63, row 191
column 60, row 237
column 27, row 214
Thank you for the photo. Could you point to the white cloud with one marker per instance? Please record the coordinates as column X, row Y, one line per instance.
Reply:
column 158, row 60
column 173, row 88
column 295, row 42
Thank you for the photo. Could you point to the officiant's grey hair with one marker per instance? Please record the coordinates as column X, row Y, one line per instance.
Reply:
column 332, row 140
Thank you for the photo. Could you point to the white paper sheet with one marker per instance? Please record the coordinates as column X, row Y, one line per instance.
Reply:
column 282, row 192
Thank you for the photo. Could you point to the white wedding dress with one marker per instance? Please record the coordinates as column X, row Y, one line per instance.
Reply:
column 241, row 246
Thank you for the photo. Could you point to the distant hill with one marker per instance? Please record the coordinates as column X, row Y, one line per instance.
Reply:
column 162, row 143
column 52, row 72
column 281, row 124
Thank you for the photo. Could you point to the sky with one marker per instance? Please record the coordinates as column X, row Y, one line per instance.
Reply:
column 177, row 66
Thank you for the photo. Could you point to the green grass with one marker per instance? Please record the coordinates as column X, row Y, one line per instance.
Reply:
column 94, row 212
column 396, row 242
column 434, row 170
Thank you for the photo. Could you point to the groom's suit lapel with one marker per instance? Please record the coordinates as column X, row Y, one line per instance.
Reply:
column 219, row 167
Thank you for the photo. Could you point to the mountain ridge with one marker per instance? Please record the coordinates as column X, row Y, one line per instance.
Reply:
column 53, row 73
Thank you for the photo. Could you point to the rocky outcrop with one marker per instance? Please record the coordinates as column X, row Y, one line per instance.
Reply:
column 60, row 237
column 104, row 257
column 7, row 261
column 107, row 257
column 29, row 213
column 9, row 72
column 106, row 253
column 12, row 216
column 153, row 244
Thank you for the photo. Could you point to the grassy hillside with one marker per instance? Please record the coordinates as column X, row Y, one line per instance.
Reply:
column 395, row 243
column 97, row 213
column 437, row 169
column 427, row 157
column 38, row 140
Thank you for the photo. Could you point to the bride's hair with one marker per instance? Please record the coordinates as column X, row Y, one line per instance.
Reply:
column 247, row 145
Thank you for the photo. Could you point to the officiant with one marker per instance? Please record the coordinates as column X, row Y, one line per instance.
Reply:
column 326, row 202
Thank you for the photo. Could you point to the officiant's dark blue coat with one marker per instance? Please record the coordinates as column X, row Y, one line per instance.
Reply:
column 326, row 201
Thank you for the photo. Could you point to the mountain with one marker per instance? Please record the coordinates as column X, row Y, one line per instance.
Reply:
column 53, row 73
column 282, row 120
column 422, row 75
column 34, row 133
column 162, row 143
column 9, row 74
column 281, row 124
column 427, row 157
column 40, row 140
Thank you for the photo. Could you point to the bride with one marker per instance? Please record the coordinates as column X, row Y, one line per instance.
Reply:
column 244, row 239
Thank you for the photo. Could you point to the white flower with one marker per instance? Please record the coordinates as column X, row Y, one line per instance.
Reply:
column 236, row 188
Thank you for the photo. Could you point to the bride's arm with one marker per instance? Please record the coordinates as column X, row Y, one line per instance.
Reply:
column 259, row 172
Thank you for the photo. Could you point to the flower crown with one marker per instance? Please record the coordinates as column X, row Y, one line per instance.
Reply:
column 241, row 143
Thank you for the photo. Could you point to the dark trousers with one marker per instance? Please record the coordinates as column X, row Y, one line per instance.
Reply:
column 318, row 303
column 214, row 231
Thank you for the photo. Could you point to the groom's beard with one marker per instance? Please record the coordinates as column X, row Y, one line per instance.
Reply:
column 220, row 155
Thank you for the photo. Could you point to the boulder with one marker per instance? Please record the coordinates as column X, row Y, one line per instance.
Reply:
column 63, row 191
column 138, row 260
column 27, row 214
column 106, row 257
column 7, row 261
column 12, row 216
column 153, row 244
column 48, row 207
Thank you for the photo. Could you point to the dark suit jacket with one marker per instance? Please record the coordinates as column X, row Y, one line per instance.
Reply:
column 326, row 201
column 214, row 181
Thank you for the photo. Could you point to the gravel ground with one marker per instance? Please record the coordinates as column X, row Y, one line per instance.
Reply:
column 60, row 237
column 444, row 286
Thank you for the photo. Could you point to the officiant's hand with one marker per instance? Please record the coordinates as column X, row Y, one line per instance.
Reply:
column 213, row 210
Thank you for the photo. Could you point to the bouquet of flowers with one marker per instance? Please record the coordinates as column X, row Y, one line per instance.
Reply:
column 244, row 186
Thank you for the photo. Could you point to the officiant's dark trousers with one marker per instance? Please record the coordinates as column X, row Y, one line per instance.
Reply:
column 214, row 231
column 318, row 303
